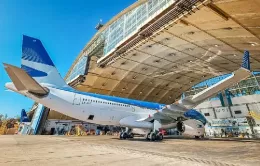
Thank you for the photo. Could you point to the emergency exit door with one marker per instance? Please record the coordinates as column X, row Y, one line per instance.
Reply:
column 76, row 100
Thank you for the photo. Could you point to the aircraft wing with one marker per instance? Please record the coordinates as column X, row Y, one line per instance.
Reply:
column 179, row 108
column 23, row 82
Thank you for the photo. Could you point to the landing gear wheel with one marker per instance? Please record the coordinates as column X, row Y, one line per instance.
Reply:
column 147, row 137
column 131, row 135
column 153, row 136
column 124, row 135
column 197, row 137
column 121, row 135
column 159, row 137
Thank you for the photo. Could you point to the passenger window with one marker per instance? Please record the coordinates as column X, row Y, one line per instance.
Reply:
column 206, row 114
column 238, row 112
column 91, row 117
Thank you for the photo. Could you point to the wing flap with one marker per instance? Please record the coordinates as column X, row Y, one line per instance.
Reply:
column 22, row 81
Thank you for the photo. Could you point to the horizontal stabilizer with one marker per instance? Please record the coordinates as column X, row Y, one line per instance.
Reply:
column 23, row 82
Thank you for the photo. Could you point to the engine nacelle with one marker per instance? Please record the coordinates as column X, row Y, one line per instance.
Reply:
column 191, row 127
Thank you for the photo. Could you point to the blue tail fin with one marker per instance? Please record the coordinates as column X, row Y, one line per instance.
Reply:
column 246, row 60
column 24, row 117
column 38, row 64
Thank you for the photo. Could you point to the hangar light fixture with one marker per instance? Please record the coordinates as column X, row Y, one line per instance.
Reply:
column 141, row 92
column 234, row 55
column 123, row 88
column 216, row 45
column 171, row 54
column 228, row 28
column 157, row 61
column 170, row 97
column 253, row 43
column 134, row 77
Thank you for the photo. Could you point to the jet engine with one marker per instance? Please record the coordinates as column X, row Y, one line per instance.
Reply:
column 191, row 127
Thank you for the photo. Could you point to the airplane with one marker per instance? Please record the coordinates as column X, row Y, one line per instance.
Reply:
column 39, row 80
column 24, row 117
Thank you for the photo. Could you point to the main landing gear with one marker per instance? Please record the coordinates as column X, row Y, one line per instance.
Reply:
column 154, row 136
column 126, row 134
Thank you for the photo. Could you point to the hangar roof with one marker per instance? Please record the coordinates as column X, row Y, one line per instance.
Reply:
column 174, row 51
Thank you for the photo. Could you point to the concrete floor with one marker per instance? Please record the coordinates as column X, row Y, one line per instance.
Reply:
column 107, row 150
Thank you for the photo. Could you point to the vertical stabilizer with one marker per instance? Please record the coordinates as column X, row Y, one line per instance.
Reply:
column 38, row 64
column 246, row 60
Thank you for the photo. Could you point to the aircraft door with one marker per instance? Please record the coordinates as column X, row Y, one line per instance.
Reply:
column 76, row 99
column 133, row 109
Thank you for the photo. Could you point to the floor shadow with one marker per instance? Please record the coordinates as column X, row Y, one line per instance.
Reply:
column 137, row 139
column 142, row 139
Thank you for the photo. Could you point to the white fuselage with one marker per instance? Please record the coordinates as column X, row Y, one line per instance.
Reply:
column 81, row 107
column 95, row 109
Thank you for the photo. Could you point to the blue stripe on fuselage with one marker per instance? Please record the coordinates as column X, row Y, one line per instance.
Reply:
column 145, row 104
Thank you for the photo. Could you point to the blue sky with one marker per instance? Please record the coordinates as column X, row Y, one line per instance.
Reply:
column 63, row 26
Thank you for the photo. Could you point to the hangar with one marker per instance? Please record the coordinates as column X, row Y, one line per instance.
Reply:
column 157, row 50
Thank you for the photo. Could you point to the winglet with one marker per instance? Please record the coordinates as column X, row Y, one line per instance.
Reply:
column 246, row 60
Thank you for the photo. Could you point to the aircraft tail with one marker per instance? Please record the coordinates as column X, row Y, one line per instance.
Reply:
column 246, row 60
column 37, row 63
